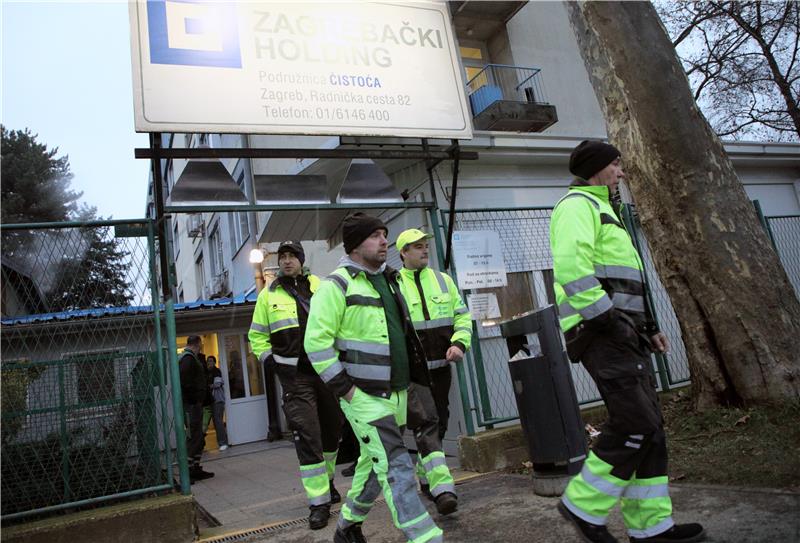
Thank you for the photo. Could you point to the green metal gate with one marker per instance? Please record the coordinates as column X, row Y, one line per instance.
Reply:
column 87, row 391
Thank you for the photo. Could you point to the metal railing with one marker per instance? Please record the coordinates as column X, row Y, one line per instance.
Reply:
column 88, row 397
column 504, row 82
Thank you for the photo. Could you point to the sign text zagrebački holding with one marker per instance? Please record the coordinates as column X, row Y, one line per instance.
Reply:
column 343, row 42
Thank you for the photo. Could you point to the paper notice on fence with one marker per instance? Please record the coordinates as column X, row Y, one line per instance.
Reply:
column 478, row 256
column 483, row 306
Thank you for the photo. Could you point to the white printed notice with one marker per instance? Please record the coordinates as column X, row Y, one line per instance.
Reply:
column 319, row 68
column 478, row 258
column 483, row 306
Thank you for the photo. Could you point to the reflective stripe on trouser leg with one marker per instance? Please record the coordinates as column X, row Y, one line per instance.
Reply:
column 330, row 462
column 437, row 473
column 362, row 494
column 315, row 482
column 376, row 423
column 647, row 507
column 592, row 493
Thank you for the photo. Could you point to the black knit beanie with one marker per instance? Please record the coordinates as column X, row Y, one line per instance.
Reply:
column 293, row 247
column 358, row 227
column 589, row 157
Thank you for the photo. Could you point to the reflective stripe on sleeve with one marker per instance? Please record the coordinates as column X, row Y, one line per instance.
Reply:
column 321, row 356
column 579, row 285
column 259, row 327
column 434, row 364
column 331, row 371
column 283, row 323
column 589, row 312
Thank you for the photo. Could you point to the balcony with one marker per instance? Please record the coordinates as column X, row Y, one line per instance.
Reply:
column 510, row 99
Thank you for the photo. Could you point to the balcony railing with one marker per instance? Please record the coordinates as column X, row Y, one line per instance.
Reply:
column 522, row 106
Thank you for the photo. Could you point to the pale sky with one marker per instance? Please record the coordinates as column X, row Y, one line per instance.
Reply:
column 66, row 75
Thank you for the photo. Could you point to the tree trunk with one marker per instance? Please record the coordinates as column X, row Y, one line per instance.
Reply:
column 739, row 315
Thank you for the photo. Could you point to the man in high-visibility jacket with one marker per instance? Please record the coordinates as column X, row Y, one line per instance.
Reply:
column 444, row 326
column 599, row 285
column 361, row 341
column 276, row 335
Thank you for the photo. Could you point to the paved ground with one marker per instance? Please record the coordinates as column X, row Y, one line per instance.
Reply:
column 256, row 487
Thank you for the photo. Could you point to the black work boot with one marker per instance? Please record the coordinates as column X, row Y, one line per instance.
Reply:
column 319, row 516
column 446, row 503
column 683, row 533
column 351, row 534
column 350, row 470
column 335, row 496
column 590, row 533
column 196, row 473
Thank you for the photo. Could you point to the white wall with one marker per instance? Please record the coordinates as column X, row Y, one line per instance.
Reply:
column 541, row 37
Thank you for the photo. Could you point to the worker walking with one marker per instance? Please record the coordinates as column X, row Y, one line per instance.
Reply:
column 276, row 335
column 444, row 327
column 603, row 312
column 361, row 341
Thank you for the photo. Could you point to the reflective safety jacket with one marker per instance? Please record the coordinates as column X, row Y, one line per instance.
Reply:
column 595, row 263
column 276, row 329
column 439, row 315
column 347, row 338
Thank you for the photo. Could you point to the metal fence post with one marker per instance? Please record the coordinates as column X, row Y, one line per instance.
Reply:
column 159, row 351
column 466, row 404
column 62, row 417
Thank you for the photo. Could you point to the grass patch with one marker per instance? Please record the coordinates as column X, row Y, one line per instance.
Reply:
column 756, row 446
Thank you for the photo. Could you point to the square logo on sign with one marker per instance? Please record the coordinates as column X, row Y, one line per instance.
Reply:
column 193, row 33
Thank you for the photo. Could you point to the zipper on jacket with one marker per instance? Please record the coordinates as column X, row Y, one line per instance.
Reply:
column 418, row 282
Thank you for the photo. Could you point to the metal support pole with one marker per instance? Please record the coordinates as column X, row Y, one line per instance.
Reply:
column 456, row 157
column 162, row 384
column 62, row 417
column 169, row 312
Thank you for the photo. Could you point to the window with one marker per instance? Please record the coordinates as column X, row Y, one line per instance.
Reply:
column 475, row 57
column 237, row 223
column 176, row 243
column 96, row 378
column 200, row 278
column 215, row 247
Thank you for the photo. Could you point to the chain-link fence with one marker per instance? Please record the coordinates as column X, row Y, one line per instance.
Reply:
column 785, row 233
column 85, row 399
column 525, row 243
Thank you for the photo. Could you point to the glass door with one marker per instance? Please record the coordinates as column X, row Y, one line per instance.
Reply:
column 244, row 383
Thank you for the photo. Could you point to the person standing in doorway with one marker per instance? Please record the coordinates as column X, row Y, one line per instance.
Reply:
column 601, row 298
column 361, row 341
column 216, row 410
column 193, row 391
column 444, row 326
column 276, row 334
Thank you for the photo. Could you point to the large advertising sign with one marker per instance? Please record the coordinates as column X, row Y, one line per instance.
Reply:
column 334, row 68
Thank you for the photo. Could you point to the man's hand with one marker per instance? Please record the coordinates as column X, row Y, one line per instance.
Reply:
column 660, row 343
column 454, row 354
column 349, row 396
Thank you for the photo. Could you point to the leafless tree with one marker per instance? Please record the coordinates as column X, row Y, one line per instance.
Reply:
column 741, row 59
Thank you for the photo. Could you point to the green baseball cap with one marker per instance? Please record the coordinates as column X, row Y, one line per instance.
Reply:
column 412, row 235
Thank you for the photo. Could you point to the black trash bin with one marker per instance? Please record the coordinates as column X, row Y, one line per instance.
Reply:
column 546, row 400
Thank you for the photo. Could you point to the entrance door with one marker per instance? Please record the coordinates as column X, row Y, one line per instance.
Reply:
column 244, row 382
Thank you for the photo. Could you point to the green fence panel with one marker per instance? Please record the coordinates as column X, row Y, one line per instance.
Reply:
column 84, row 394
